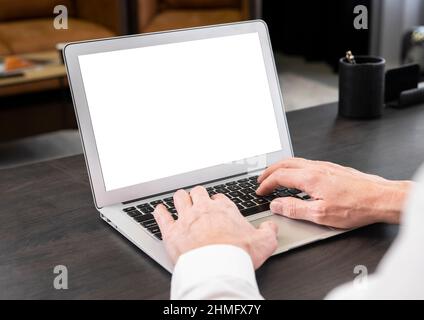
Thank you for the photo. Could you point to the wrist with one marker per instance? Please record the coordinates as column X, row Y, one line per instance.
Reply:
column 391, row 202
column 211, row 241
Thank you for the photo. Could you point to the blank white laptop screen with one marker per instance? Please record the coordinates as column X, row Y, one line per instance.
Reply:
column 168, row 109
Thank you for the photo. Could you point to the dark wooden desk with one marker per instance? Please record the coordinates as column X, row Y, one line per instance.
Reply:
column 47, row 218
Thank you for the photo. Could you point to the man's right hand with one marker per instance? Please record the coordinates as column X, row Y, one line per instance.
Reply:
column 204, row 221
column 342, row 197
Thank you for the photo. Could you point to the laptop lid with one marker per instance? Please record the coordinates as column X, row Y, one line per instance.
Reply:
column 163, row 111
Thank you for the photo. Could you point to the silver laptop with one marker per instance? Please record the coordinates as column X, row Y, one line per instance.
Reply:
column 163, row 111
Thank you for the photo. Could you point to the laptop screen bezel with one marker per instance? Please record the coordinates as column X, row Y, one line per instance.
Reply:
column 104, row 198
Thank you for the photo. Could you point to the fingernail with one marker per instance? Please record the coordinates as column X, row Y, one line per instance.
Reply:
column 156, row 208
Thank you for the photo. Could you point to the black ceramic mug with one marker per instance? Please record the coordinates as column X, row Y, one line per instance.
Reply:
column 361, row 87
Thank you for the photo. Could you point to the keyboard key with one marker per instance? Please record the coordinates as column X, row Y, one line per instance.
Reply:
column 236, row 194
column 169, row 205
column 260, row 200
column 144, row 217
column 134, row 213
column 172, row 210
column 156, row 202
column 169, row 199
column 282, row 194
column 253, row 210
column 246, row 197
column 294, row 191
column 158, row 236
column 232, row 183
column 143, row 205
column 240, row 206
column 281, row 188
column 154, row 229
column 247, row 191
column 245, row 185
column 211, row 193
column 174, row 216
column 254, row 195
column 146, row 209
column 148, row 223
column 255, row 185
column 236, row 200
column 234, row 188
column 243, row 180
column 219, row 186
column 209, row 189
column 254, row 178
column 222, row 190
column 306, row 197
column 129, row 209
column 249, row 204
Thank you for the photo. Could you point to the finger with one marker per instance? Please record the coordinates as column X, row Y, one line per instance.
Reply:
column 163, row 219
column 182, row 201
column 199, row 194
column 223, row 199
column 220, row 196
column 293, row 163
column 298, row 209
column 291, row 178
column 269, row 226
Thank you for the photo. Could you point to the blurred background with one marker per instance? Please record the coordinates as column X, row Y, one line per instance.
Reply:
column 309, row 37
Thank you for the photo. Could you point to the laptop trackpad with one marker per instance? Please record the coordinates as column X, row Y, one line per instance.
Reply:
column 295, row 233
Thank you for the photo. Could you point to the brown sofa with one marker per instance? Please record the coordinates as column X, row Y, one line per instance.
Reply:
column 159, row 15
column 26, row 26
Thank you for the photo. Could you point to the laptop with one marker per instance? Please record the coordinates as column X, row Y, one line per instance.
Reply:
column 163, row 111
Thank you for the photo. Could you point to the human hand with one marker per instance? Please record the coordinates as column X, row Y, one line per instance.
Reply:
column 204, row 221
column 342, row 197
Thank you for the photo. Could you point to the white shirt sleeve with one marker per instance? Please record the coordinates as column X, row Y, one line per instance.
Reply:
column 215, row 272
column 400, row 275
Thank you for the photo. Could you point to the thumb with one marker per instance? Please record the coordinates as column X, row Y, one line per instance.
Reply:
column 265, row 243
column 269, row 226
column 293, row 208
column 163, row 219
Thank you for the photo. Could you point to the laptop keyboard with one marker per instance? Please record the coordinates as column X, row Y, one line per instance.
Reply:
column 241, row 192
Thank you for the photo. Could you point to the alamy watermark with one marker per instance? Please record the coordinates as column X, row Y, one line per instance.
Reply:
column 361, row 19
column 61, row 20
column 361, row 280
column 250, row 165
column 60, row 282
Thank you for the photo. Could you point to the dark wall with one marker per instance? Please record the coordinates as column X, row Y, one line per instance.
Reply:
column 317, row 30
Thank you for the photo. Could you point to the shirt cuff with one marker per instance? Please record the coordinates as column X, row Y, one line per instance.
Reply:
column 203, row 264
